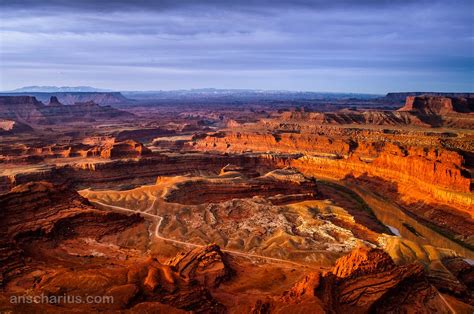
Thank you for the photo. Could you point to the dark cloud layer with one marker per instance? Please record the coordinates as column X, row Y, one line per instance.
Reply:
column 227, row 4
column 361, row 46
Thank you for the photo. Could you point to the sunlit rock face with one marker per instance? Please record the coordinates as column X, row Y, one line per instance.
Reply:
column 230, row 208
column 439, row 173
column 438, row 105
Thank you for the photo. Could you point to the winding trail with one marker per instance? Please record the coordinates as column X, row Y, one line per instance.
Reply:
column 159, row 219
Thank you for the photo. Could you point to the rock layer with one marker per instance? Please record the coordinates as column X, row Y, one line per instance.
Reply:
column 432, row 105
column 55, row 243
column 117, row 172
column 40, row 209
column 417, row 171
column 27, row 109
column 367, row 280
column 206, row 265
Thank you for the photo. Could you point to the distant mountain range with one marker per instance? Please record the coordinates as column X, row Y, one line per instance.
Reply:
column 70, row 95
column 200, row 92
column 240, row 94
column 56, row 89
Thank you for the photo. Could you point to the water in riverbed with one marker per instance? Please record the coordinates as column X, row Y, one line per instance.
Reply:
column 407, row 227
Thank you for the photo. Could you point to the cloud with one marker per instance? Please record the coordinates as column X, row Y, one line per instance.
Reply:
column 162, row 5
column 365, row 45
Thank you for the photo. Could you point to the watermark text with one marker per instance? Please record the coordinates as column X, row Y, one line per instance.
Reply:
column 61, row 299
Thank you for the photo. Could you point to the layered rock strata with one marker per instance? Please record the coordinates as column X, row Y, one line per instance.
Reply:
column 29, row 110
column 145, row 170
column 417, row 171
column 367, row 281
column 54, row 243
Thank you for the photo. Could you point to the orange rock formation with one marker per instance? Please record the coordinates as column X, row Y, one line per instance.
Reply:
column 417, row 171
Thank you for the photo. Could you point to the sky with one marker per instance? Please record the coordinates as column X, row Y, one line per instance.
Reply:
column 361, row 46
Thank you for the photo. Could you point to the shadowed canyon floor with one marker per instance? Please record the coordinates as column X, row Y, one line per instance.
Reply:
column 228, row 209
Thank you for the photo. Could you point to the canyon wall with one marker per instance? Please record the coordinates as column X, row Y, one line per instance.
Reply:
column 422, row 173
column 131, row 172
column 70, row 98
column 43, row 210
column 438, row 105
column 401, row 97
column 106, row 148
column 28, row 109
column 54, row 242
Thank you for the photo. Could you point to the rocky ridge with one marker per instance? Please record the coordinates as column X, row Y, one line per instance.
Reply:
column 438, row 105
column 367, row 280
column 54, row 243
column 442, row 175
column 29, row 110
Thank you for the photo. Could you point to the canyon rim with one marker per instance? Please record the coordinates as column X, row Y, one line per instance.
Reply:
column 236, row 157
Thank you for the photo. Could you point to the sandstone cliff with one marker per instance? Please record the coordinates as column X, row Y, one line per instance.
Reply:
column 206, row 265
column 29, row 110
column 10, row 127
column 367, row 281
column 125, row 149
column 416, row 170
column 70, row 98
column 438, row 105
column 401, row 97
column 40, row 209
column 24, row 109
column 53, row 243
column 117, row 172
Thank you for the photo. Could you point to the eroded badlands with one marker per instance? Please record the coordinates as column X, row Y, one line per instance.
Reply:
column 240, row 210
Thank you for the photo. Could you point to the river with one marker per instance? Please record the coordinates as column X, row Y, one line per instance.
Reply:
column 391, row 215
